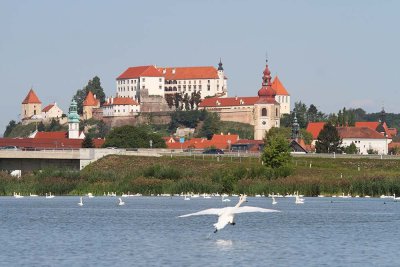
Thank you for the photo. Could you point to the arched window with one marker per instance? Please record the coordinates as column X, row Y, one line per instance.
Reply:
column 264, row 112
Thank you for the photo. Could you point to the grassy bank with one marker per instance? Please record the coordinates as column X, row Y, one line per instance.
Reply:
column 165, row 175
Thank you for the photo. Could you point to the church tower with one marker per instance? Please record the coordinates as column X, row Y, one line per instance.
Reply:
column 73, row 121
column 266, row 109
column 222, row 87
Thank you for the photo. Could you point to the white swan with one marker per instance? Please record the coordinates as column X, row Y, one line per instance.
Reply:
column 299, row 200
column 226, row 215
column 186, row 197
column 49, row 195
column 225, row 199
column 80, row 203
column 121, row 203
column 18, row 195
column 274, row 201
column 396, row 198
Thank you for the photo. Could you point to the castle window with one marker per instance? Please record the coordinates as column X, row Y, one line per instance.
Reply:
column 160, row 80
column 143, row 79
column 208, row 88
column 276, row 112
column 264, row 112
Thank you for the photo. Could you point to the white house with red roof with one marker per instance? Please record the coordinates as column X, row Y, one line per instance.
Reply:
column 120, row 106
column 31, row 106
column 52, row 111
column 365, row 138
column 159, row 81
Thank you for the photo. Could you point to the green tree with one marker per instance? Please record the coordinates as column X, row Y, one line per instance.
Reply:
column 54, row 126
column 133, row 137
column 328, row 140
column 87, row 142
column 11, row 125
column 277, row 151
column 94, row 85
column 41, row 127
column 351, row 149
column 301, row 112
column 211, row 125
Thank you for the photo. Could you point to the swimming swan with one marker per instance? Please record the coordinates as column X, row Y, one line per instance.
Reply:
column 226, row 215
column 80, row 203
column 121, row 203
column 274, row 201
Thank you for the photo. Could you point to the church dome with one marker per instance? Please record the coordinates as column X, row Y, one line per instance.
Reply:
column 267, row 91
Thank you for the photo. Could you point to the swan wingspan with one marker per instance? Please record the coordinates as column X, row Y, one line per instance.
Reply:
column 245, row 209
column 205, row 212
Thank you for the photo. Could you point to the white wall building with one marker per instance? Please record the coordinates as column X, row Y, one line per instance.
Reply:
column 120, row 106
column 209, row 81
column 131, row 81
column 365, row 139
column 52, row 111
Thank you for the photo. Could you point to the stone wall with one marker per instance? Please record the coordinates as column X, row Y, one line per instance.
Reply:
column 236, row 115
column 150, row 103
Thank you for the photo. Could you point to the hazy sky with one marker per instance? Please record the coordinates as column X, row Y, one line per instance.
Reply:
column 328, row 53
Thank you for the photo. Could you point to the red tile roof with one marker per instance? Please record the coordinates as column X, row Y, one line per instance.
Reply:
column 392, row 131
column 141, row 71
column 278, row 87
column 90, row 100
column 314, row 128
column 47, row 108
column 374, row 126
column 31, row 98
column 122, row 101
column 229, row 101
column 359, row 132
column 51, row 135
column 218, row 141
column 189, row 73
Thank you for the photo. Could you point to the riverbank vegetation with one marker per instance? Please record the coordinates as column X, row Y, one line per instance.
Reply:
column 199, row 174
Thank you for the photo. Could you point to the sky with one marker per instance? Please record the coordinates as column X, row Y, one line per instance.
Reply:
column 332, row 54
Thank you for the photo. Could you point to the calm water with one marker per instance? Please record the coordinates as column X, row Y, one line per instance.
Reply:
column 147, row 232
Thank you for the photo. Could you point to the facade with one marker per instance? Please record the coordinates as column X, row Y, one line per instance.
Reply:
column 282, row 95
column 90, row 103
column 134, row 79
column 159, row 81
column 365, row 139
column 52, row 111
column 120, row 106
column 262, row 111
column 208, row 80
column 31, row 106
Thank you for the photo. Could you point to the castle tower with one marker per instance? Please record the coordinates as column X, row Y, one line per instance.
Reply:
column 73, row 121
column 31, row 105
column 89, row 104
column 266, row 109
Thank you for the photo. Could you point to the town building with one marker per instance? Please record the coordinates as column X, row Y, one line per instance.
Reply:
column 31, row 106
column 159, row 81
column 366, row 139
column 120, row 106
column 73, row 122
column 220, row 141
column 262, row 111
column 52, row 111
column 90, row 103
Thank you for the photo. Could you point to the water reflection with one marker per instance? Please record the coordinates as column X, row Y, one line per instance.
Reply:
column 224, row 244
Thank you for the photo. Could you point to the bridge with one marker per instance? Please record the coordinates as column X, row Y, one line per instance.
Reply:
column 75, row 159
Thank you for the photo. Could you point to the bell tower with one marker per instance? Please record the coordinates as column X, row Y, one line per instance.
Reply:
column 73, row 121
column 266, row 109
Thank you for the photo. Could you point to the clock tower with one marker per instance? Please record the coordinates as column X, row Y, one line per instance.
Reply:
column 266, row 109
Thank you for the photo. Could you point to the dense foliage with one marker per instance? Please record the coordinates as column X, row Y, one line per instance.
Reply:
column 94, row 86
column 276, row 152
column 328, row 140
column 133, row 137
column 87, row 142
column 11, row 125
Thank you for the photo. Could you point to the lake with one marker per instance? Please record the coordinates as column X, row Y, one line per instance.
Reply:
column 146, row 232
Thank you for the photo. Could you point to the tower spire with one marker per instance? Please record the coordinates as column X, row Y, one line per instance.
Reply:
column 220, row 65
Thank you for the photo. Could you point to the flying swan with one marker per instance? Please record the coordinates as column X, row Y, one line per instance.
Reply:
column 226, row 215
